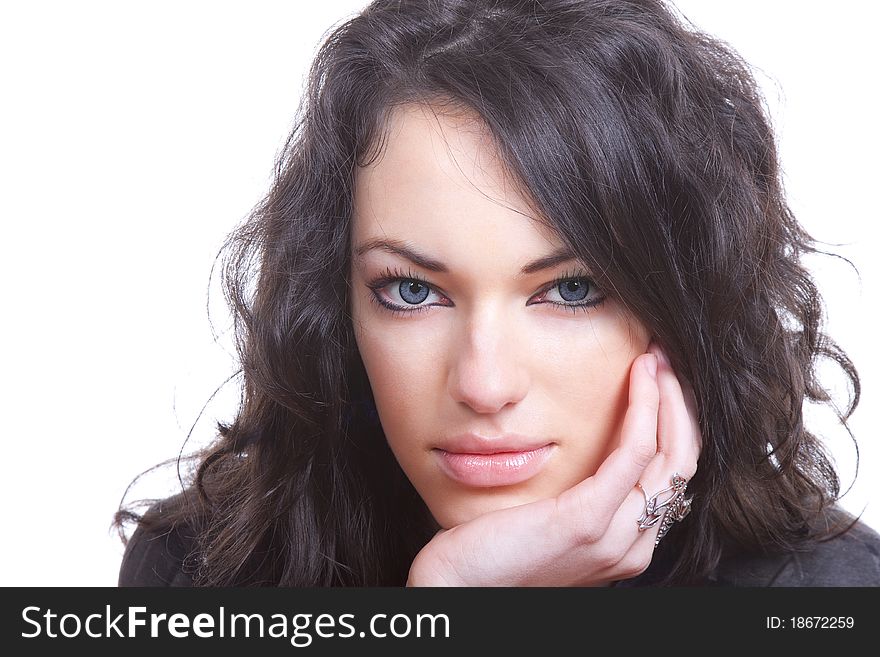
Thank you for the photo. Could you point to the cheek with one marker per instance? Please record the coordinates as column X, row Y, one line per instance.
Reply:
column 401, row 377
column 404, row 396
column 588, row 398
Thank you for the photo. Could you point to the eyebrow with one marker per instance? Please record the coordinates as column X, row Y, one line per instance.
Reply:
column 405, row 250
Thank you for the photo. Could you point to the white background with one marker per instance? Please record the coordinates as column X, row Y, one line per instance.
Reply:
column 135, row 136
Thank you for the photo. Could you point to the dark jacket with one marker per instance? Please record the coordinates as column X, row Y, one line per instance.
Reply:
column 851, row 559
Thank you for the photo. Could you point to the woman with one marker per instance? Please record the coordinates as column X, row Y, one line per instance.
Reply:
column 524, row 306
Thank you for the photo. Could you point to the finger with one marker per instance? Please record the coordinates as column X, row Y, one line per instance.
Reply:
column 690, row 400
column 636, row 527
column 638, row 441
column 677, row 424
column 687, row 392
column 636, row 545
column 601, row 495
column 678, row 443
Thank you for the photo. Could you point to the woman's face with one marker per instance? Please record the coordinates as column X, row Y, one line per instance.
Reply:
column 494, row 385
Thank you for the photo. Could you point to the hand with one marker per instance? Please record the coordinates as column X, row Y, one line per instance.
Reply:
column 587, row 535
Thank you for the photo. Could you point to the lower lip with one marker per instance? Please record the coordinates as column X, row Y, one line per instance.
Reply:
column 500, row 469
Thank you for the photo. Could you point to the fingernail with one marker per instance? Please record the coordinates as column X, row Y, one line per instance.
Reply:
column 651, row 365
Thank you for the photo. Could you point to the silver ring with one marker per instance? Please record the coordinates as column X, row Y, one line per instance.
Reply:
column 672, row 509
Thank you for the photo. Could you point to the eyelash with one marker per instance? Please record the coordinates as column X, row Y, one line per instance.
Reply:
column 394, row 275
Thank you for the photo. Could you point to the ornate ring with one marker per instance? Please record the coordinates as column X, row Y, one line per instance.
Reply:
column 672, row 509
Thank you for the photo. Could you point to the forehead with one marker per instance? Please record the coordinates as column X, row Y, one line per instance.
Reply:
column 440, row 182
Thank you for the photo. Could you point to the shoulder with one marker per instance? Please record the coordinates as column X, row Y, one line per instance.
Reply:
column 848, row 558
column 156, row 553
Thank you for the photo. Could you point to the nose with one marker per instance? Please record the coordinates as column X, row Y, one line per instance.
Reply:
column 488, row 369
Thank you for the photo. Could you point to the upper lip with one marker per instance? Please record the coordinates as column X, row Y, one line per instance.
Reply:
column 471, row 443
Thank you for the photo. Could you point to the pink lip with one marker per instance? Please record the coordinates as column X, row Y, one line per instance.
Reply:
column 499, row 468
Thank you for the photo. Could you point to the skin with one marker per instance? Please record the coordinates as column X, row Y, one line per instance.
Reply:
column 490, row 353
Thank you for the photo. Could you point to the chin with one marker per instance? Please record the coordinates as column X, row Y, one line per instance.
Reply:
column 456, row 509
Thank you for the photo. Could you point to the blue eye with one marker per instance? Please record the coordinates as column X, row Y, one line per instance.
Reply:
column 406, row 293
column 413, row 291
column 572, row 292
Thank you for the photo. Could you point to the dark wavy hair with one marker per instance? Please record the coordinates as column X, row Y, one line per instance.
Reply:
column 646, row 146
